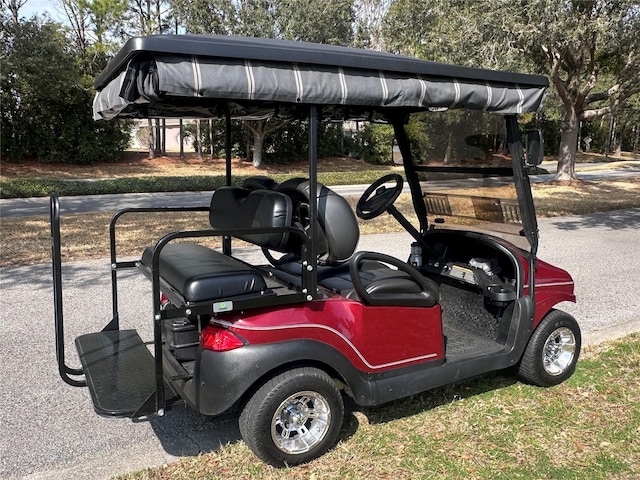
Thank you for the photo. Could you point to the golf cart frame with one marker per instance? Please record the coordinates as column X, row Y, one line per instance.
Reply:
column 290, row 337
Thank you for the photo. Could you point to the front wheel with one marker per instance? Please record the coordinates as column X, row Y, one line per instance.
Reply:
column 293, row 418
column 552, row 353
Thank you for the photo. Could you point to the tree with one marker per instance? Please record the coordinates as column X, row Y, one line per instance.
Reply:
column 590, row 49
column 13, row 7
column 148, row 17
column 368, row 16
column 580, row 43
column 330, row 22
column 46, row 100
column 97, row 27
column 407, row 28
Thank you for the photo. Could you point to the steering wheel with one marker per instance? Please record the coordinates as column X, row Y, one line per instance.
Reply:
column 370, row 206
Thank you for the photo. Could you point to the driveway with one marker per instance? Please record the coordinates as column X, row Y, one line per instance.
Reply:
column 49, row 430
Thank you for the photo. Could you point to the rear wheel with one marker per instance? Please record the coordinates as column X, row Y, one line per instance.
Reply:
column 552, row 353
column 293, row 418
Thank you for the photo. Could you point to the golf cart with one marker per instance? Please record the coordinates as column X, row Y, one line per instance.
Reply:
column 282, row 340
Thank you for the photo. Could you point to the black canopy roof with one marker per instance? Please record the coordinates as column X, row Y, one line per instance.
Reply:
column 204, row 76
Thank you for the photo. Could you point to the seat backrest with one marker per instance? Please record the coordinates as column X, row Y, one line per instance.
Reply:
column 239, row 208
column 259, row 182
column 337, row 228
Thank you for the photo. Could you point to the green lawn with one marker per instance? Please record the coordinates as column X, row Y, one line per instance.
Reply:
column 490, row 428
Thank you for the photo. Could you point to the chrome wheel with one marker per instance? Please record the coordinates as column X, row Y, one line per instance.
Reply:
column 553, row 350
column 301, row 422
column 558, row 351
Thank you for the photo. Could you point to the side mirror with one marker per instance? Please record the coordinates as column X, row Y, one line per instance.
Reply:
column 534, row 147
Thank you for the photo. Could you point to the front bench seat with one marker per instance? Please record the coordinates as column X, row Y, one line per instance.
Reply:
column 199, row 273
column 365, row 276
column 371, row 281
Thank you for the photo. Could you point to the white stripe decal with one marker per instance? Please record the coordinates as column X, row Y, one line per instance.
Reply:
column 335, row 332
column 521, row 101
column 456, row 87
column 343, row 85
column 423, row 90
column 553, row 284
column 385, row 89
column 299, row 86
column 197, row 75
column 489, row 97
column 251, row 82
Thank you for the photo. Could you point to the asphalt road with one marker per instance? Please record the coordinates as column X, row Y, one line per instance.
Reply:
column 49, row 429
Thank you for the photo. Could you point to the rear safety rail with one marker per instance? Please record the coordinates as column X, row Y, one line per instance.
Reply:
column 56, row 258
column 117, row 366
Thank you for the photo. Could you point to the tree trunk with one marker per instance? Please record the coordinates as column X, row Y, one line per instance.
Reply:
column 163, row 145
column 199, row 139
column 568, row 146
column 158, row 137
column 248, row 145
column 150, row 139
column 211, row 139
column 448, row 151
column 258, row 144
column 181, row 138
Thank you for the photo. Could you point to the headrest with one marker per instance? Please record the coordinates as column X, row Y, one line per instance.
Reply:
column 259, row 182
column 337, row 227
column 238, row 208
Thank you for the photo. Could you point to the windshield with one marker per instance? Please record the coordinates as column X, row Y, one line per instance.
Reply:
column 464, row 167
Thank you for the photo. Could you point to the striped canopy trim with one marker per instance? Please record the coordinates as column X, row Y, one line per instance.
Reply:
column 196, row 86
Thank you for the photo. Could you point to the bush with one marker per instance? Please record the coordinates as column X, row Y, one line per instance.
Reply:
column 373, row 143
column 47, row 100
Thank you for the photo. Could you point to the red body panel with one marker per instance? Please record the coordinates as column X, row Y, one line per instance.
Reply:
column 374, row 339
column 553, row 285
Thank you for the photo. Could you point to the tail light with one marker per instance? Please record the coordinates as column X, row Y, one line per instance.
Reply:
column 218, row 339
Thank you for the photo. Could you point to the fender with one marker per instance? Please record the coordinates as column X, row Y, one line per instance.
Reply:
column 223, row 378
column 553, row 285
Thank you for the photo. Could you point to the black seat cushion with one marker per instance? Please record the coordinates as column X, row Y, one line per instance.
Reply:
column 373, row 275
column 235, row 208
column 201, row 274
column 382, row 285
column 292, row 265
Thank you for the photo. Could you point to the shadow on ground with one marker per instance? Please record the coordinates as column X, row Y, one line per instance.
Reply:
column 615, row 220
column 187, row 433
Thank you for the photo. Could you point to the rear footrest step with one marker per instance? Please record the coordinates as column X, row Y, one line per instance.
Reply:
column 120, row 372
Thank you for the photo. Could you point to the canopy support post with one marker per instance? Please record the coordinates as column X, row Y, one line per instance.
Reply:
column 412, row 177
column 226, row 240
column 310, row 275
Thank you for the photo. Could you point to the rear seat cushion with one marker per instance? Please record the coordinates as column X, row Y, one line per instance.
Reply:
column 238, row 208
column 199, row 273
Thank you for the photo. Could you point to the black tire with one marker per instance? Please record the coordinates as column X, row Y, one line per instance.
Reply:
column 553, row 350
column 293, row 418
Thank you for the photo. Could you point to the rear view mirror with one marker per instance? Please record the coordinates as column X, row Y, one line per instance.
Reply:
column 534, row 147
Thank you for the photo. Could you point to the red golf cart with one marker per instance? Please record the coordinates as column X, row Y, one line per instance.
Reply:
column 284, row 339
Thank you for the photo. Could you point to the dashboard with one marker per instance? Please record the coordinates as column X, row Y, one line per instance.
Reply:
column 469, row 260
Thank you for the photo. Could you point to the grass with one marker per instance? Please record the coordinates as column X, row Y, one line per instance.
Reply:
column 165, row 174
column 41, row 187
column 491, row 428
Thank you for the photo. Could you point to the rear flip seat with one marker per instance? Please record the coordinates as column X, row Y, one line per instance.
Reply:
column 201, row 274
